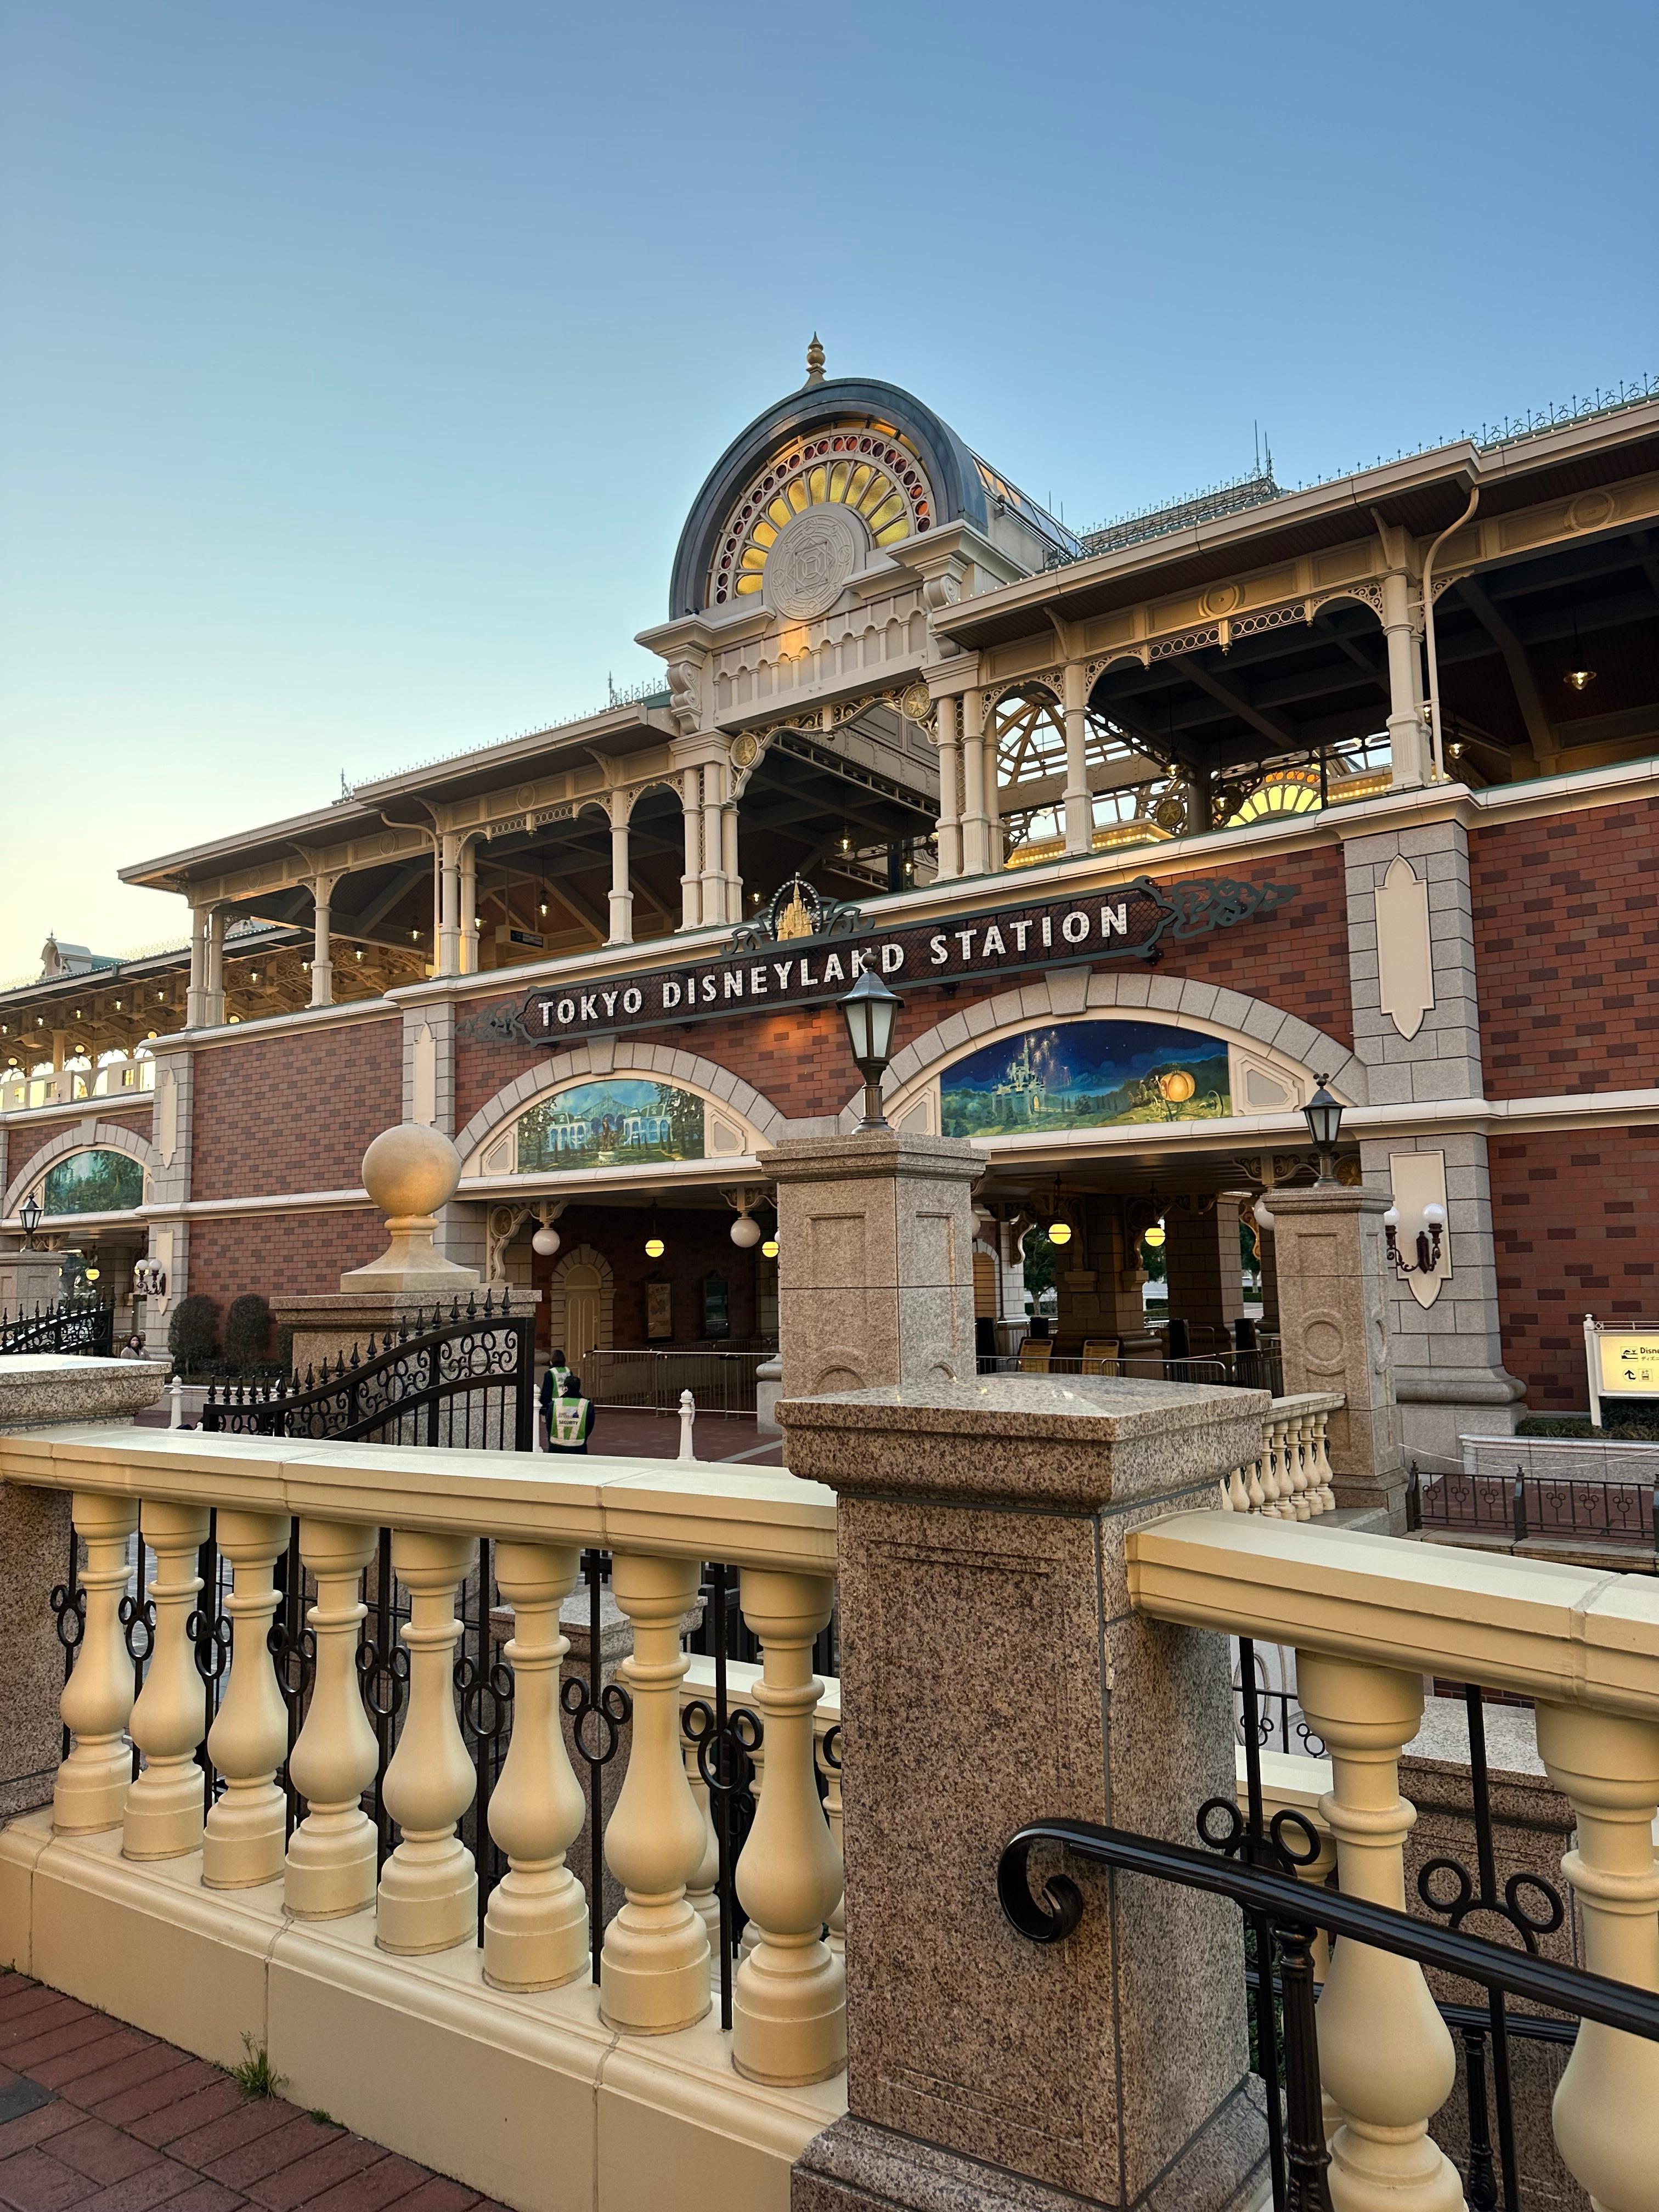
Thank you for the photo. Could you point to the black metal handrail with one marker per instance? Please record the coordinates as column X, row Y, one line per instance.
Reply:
column 1524, row 1507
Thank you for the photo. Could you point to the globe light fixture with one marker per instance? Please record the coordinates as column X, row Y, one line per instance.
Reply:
column 546, row 1241
column 1060, row 1233
column 1429, row 1237
column 769, row 1249
column 655, row 1247
column 745, row 1233
column 870, row 1010
column 1324, row 1118
column 1155, row 1237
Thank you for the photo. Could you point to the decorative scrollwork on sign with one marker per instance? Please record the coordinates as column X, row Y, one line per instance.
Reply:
column 1220, row 905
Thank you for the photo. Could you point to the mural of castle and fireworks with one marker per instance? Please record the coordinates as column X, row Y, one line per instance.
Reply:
column 594, row 1124
column 1084, row 1075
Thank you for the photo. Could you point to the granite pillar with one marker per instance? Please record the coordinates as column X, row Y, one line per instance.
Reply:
column 34, row 1541
column 30, row 1282
column 1332, row 1307
column 875, row 1259
column 994, row 1673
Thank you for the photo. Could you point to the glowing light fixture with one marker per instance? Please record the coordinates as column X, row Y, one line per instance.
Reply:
column 1155, row 1237
column 769, row 1249
column 1060, row 1233
column 1579, row 676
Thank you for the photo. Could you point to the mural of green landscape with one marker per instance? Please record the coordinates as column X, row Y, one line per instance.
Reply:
column 93, row 1182
column 604, row 1124
column 1087, row 1075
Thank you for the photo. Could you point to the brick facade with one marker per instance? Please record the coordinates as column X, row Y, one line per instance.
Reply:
column 1296, row 959
column 25, row 1139
column 280, row 1255
column 1567, row 939
column 1571, row 1216
column 294, row 1112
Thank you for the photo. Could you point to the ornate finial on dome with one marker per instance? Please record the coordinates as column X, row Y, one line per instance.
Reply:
column 815, row 361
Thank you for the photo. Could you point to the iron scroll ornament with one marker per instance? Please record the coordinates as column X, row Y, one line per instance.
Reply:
column 1127, row 921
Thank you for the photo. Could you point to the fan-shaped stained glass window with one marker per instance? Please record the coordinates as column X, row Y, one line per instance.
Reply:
column 1294, row 791
column 93, row 1182
column 870, row 468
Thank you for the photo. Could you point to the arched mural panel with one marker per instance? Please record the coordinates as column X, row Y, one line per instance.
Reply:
column 93, row 1182
column 624, row 1120
column 1086, row 1074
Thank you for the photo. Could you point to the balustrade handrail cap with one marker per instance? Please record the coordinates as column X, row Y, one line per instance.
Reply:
column 1566, row 1635
column 1076, row 1442
column 765, row 1517
column 73, row 1389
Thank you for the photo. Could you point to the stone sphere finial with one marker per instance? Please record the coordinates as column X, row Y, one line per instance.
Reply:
column 410, row 1171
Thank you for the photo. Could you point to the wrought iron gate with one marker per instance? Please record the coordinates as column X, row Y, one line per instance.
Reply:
column 465, row 1380
column 83, row 1325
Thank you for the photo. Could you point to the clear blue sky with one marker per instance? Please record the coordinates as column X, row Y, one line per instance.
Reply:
column 360, row 360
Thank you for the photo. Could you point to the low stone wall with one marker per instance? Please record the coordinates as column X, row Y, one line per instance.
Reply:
column 1561, row 1459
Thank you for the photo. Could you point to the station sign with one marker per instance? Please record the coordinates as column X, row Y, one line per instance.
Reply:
column 1621, row 1362
column 770, row 964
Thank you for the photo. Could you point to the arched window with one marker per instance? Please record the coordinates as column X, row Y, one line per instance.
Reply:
column 868, row 468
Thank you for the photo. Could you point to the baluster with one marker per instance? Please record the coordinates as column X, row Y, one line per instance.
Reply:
column 1253, row 1485
column 1236, row 1497
column 163, row 1816
column 1284, row 1471
column 331, row 1854
column 90, row 1792
column 789, row 2005
column 654, row 1973
column 1607, row 1765
column 1297, row 1460
column 428, row 1893
column 536, row 1927
column 1384, row 2053
column 242, row 1844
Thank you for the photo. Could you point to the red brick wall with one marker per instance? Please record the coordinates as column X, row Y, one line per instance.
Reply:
column 24, row 1140
column 293, row 1112
column 280, row 1255
column 1565, row 933
column 1571, row 1224
column 1296, row 959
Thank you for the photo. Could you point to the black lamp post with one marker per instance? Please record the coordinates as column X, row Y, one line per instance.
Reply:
column 29, row 1214
column 870, row 1010
column 1324, row 1118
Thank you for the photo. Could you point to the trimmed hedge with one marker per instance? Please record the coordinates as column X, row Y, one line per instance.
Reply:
column 193, row 1333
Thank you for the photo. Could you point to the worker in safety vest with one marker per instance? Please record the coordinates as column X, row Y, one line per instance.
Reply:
column 552, row 1386
column 571, row 1422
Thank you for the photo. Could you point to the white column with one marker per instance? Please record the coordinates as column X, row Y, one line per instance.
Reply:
column 1079, row 817
column 1608, row 1764
column 322, row 963
column 469, row 906
column 536, row 1928
column 729, row 861
column 428, row 1893
column 213, row 996
column 993, row 849
column 164, row 1809
column 974, row 845
column 621, row 899
column 1384, row 2053
column 1405, row 725
column 691, row 823
column 331, row 1854
column 242, row 1846
column 949, row 818
column 714, row 889
column 449, row 924
column 789, row 2003
column 90, row 1792
column 653, row 1976
column 196, row 999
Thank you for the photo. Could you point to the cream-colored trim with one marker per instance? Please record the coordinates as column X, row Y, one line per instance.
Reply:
column 1577, row 1636
column 755, row 1518
column 754, row 1119
column 88, row 1135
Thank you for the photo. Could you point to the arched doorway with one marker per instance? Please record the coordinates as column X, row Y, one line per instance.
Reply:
column 581, row 1313
column 581, row 1297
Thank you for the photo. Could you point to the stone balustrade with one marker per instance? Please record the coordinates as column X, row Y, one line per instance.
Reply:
column 1370, row 1618
column 215, row 1860
column 1289, row 1478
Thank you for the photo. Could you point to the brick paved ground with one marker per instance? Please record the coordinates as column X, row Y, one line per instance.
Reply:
column 100, row 2117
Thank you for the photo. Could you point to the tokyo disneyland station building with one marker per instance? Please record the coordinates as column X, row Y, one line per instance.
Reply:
column 1152, row 829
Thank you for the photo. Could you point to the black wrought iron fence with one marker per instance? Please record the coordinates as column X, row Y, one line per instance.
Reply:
column 1254, row 1862
column 463, row 1379
column 74, row 1325
column 1244, row 1370
column 1523, row 1506
column 650, row 1381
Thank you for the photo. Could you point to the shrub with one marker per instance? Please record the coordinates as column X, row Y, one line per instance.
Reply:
column 193, row 1333
column 247, row 1331
column 1622, row 1427
column 1554, row 1424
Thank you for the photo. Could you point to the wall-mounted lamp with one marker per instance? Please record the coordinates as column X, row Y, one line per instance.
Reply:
column 1428, row 1242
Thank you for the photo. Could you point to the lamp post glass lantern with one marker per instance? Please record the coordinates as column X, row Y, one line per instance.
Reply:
column 29, row 1214
column 871, row 1011
column 1323, row 1116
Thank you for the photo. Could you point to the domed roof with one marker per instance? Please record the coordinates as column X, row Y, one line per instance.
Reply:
column 954, row 476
